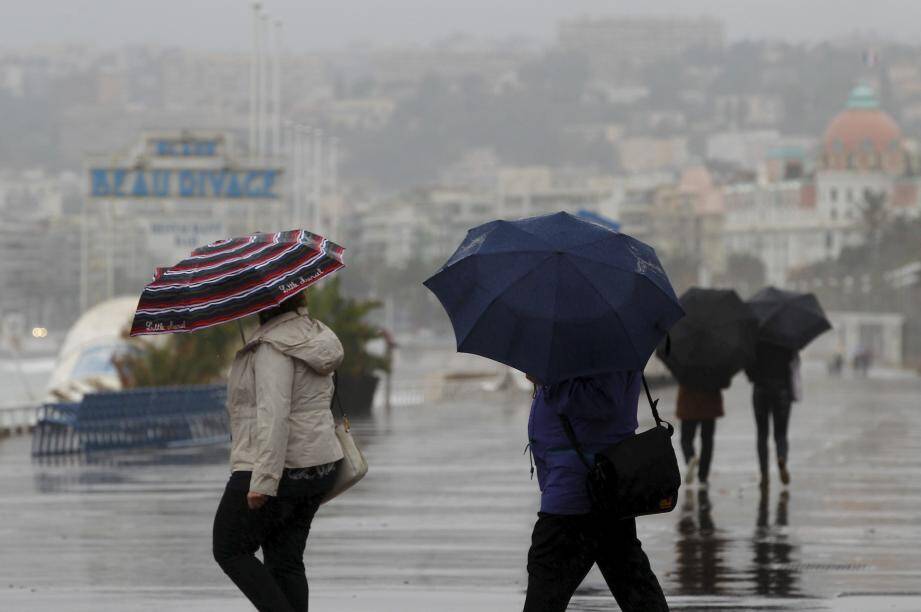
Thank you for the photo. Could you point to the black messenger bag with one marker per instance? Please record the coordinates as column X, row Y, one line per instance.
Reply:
column 637, row 476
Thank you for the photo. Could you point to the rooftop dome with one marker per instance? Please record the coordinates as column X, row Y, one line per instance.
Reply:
column 862, row 127
column 862, row 96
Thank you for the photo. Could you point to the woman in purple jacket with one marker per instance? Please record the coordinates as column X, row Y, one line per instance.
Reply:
column 568, row 538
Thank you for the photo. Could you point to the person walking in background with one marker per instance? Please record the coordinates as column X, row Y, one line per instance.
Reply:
column 775, row 380
column 836, row 363
column 568, row 538
column 283, row 454
column 698, row 409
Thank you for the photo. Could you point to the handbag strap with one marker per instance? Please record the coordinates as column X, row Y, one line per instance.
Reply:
column 338, row 402
column 571, row 434
column 574, row 441
column 653, row 404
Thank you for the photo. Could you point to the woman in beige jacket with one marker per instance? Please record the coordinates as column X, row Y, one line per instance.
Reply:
column 283, row 454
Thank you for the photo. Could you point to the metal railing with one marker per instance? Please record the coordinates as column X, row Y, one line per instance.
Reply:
column 17, row 418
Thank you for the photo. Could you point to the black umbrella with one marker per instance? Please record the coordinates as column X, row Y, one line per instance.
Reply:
column 787, row 318
column 715, row 339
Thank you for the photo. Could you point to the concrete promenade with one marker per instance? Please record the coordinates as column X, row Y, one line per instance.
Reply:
column 442, row 523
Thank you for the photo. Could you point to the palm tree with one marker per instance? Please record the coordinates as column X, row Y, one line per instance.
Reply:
column 202, row 357
column 347, row 318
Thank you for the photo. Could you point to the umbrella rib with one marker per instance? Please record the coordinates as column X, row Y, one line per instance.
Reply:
column 623, row 269
column 512, row 225
column 605, row 300
column 549, row 245
column 499, row 295
column 496, row 253
column 553, row 324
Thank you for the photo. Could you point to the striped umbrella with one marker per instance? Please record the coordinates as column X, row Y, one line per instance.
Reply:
column 231, row 279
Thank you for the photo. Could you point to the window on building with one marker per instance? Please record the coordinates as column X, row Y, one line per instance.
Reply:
column 833, row 194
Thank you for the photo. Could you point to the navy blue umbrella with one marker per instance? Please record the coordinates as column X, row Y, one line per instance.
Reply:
column 556, row 296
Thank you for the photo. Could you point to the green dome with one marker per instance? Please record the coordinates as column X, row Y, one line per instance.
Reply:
column 862, row 96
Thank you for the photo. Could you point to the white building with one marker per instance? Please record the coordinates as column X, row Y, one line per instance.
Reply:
column 789, row 224
column 39, row 247
column 863, row 151
column 771, row 222
column 641, row 154
column 429, row 223
column 425, row 224
column 539, row 190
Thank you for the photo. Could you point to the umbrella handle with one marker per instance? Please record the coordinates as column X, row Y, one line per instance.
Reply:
column 240, row 327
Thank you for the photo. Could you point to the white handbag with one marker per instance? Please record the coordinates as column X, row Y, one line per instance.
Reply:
column 353, row 466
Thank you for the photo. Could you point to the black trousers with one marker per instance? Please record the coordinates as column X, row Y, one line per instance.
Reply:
column 280, row 528
column 564, row 549
column 688, row 431
column 770, row 405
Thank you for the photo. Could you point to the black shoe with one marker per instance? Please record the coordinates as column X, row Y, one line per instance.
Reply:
column 784, row 472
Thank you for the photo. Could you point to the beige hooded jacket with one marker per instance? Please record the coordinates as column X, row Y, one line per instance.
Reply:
column 278, row 397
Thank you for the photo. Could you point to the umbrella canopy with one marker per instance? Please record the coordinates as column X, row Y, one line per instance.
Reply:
column 232, row 279
column 715, row 339
column 788, row 319
column 556, row 296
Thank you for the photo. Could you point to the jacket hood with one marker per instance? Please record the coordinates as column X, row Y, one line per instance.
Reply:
column 297, row 335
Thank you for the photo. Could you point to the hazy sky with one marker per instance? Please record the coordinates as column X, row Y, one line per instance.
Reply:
column 312, row 24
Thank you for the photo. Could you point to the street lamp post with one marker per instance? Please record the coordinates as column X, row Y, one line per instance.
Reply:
column 253, row 82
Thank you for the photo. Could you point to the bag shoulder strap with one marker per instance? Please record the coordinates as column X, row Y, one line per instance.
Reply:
column 571, row 435
column 653, row 404
column 574, row 441
column 338, row 403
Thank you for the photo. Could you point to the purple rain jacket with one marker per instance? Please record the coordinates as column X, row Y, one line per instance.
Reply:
column 602, row 410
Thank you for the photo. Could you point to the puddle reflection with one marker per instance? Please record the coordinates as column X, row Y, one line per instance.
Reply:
column 708, row 561
column 774, row 564
column 155, row 468
column 701, row 548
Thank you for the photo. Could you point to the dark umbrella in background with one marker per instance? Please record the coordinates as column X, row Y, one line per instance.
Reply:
column 714, row 341
column 556, row 297
column 231, row 279
column 788, row 319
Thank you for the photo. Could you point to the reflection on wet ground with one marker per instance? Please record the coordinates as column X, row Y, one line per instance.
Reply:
column 443, row 520
column 699, row 548
column 57, row 474
column 774, row 557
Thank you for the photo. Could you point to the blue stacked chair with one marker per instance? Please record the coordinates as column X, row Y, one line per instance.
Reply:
column 54, row 429
column 135, row 418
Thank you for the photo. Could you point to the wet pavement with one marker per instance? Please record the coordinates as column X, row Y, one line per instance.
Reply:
column 442, row 522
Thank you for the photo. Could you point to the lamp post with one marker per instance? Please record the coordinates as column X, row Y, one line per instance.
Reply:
column 317, row 178
column 276, row 90
column 254, row 82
